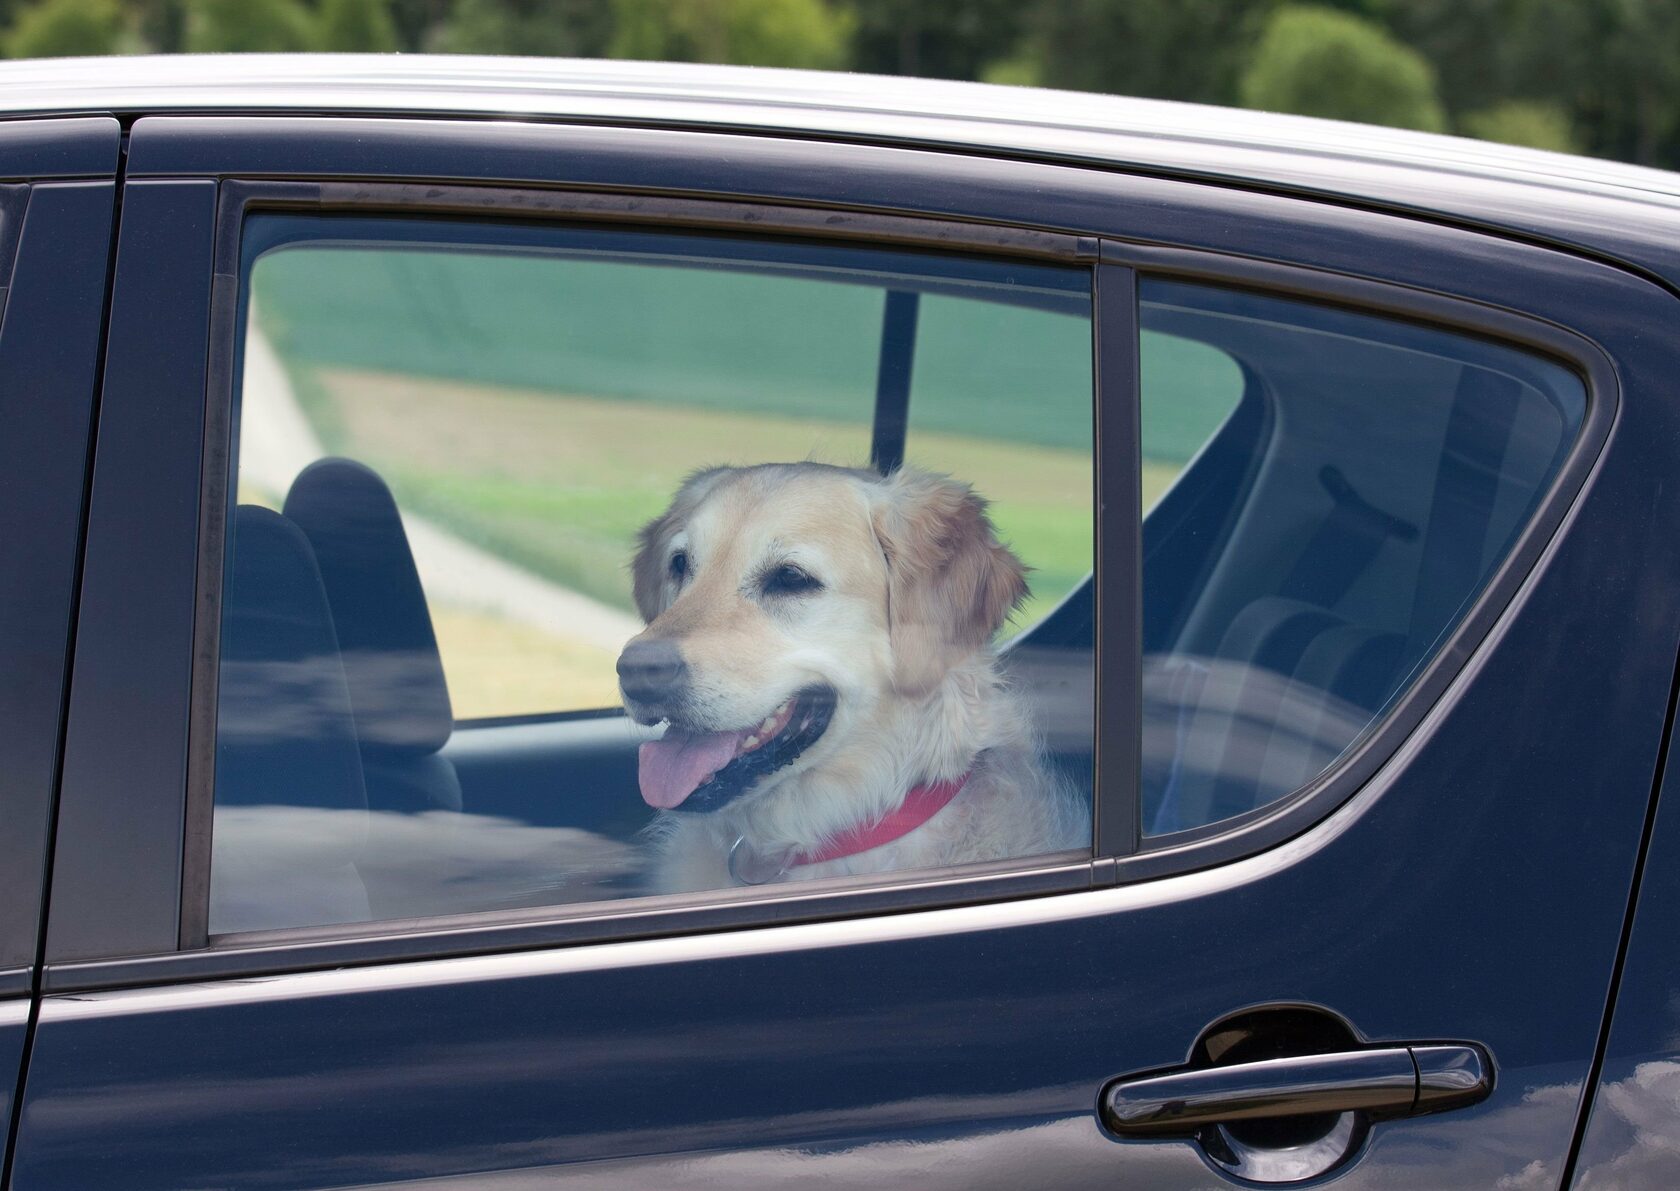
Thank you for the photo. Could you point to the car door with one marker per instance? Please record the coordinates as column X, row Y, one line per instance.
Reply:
column 55, row 219
column 1378, row 700
column 1626, row 1137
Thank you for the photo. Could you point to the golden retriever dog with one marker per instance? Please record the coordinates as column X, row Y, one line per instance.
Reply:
column 819, row 644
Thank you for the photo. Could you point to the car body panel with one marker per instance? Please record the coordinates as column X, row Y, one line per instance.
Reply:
column 14, row 1033
column 54, row 255
column 991, row 1025
column 818, row 102
column 1624, row 224
column 1429, row 905
column 57, row 149
column 1626, row 211
column 1411, row 254
column 1630, row 1135
column 49, row 348
column 131, row 614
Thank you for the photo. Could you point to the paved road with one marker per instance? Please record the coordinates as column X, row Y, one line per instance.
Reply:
column 277, row 442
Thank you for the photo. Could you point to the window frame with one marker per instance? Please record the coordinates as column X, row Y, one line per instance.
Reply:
column 1113, row 802
column 892, row 416
column 1366, row 259
column 1121, row 852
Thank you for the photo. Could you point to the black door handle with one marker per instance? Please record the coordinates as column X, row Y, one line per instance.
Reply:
column 1392, row 1081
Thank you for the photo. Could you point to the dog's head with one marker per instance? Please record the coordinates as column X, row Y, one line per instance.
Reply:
column 785, row 602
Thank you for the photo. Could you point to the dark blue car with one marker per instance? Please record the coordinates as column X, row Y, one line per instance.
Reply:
column 333, row 396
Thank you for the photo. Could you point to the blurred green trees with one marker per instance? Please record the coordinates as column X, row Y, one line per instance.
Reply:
column 1167, row 49
column 61, row 28
column 551, row 28
column 247, row 26
column 800, row 33
column 935, row 39
column 1593, row 76
column 355, row 25
column 1523, row 122
column 1320, row 62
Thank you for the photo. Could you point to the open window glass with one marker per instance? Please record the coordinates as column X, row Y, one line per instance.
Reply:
column 807, row 510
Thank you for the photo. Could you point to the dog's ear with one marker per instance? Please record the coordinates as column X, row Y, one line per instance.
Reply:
column 647, row 568
column 950, row 583
column 648, row 580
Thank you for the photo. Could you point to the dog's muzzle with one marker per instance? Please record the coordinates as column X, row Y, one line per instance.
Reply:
column 652, row 675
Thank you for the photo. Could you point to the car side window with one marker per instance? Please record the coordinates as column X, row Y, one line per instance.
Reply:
column 779, row 497
column 1358, row 480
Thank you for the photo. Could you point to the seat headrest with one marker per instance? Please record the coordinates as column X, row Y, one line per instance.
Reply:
column 284, row 736
column 397, row 688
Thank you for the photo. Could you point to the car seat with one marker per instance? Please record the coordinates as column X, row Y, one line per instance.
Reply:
column 291, row 808
column 398, row 693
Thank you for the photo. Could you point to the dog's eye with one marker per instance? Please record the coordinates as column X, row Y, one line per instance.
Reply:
column 790, row 580
column 679, row 565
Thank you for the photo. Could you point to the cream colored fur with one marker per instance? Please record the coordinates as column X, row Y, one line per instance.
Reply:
column 915, row 584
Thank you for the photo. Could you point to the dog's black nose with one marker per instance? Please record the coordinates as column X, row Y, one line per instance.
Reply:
column 651, row 671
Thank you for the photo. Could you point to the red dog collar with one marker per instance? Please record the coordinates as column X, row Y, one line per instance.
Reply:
column 921, row 804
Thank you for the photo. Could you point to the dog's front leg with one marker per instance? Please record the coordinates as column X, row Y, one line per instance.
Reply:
column 691, row 858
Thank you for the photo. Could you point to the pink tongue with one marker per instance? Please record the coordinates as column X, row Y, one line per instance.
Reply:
column 671, row 768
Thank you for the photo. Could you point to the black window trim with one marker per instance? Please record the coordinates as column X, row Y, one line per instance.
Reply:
column 1117, row 728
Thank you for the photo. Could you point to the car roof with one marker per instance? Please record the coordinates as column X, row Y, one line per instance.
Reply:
column 1628, row 212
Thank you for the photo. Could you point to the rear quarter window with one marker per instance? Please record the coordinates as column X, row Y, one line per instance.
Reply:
column 1352, row 483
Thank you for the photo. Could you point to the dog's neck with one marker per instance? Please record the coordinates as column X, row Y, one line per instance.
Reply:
column 747, row 866
column 907, row 741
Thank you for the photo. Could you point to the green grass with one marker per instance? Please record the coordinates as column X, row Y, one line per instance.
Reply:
column 499, row 667
column 704, row 338
column 561, row 484
column 731, row 341
column 544, row 408
column 571, row 512
column 580, row 538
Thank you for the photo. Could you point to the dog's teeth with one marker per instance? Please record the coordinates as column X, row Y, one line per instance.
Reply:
column 769, row 722
column 752, row 742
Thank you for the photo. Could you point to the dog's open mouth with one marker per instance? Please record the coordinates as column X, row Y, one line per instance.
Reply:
column 702, row 771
